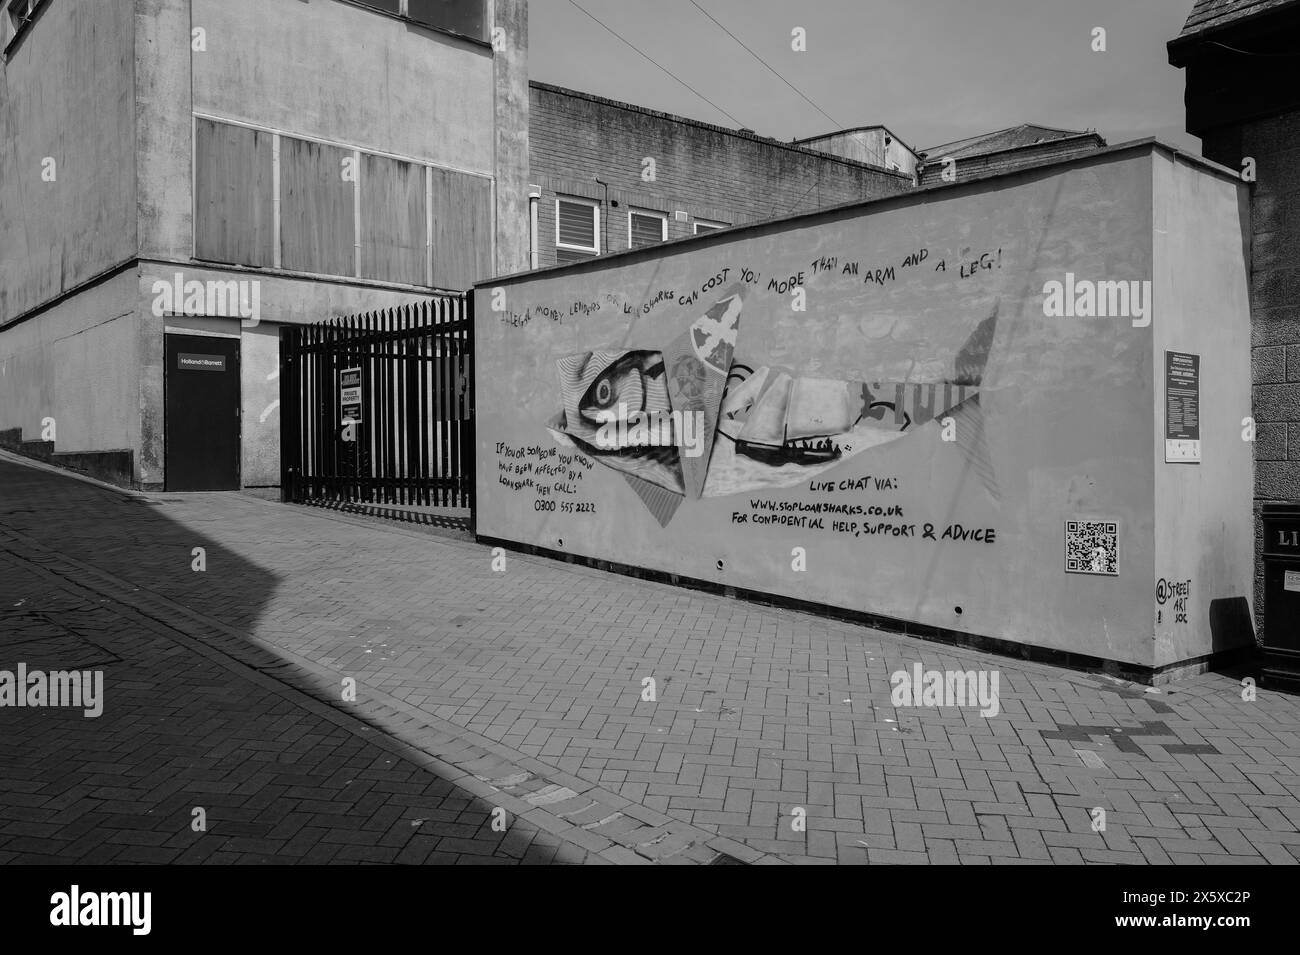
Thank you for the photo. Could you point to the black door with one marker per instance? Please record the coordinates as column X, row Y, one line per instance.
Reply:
column 202, row 431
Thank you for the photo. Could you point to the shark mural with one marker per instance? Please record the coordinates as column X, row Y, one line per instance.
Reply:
column 688, row 421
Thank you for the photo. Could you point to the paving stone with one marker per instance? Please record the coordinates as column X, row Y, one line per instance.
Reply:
column 530, row 679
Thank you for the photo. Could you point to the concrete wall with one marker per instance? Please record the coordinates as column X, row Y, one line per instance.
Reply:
column 117, row 116
column 282, row 300
column 66, row 95
column 76, row 363
column 1063, row 429
column 337, row 72
column 1204, row 544
column 703, row 170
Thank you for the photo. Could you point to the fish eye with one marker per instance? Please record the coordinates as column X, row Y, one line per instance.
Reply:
column 603, row 391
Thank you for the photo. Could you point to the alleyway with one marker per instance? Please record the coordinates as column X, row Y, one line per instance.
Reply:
column 523, row 689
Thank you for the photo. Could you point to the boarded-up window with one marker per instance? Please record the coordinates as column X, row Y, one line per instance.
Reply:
column 393, row 232
column 317, row 213
column 577, row 225
column 646, row 228
column 234, row 218
column 462, row 229
column 466, row 17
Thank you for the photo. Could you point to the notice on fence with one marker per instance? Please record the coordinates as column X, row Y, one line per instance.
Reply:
column 350, row 395
column 1182, row 408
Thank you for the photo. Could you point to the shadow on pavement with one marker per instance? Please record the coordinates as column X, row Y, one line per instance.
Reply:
column 191, row 760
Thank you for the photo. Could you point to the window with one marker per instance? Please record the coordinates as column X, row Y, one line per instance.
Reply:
column 317, row 209
column 462, row 228
column 394, row 244
column 705, row 225
column 646, row 228
column 342, row 211
column 234, row 211
column 577, row 225
column 466, row 17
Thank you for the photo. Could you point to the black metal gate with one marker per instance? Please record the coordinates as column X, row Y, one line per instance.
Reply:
column 378, row 408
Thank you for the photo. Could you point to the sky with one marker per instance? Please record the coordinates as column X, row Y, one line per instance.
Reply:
column 933, row 71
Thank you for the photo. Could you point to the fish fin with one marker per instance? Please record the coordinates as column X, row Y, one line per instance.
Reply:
column 974, row 445
column 974, row 354
column 661, row 502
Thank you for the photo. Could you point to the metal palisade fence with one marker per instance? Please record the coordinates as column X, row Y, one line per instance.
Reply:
column 378, row 408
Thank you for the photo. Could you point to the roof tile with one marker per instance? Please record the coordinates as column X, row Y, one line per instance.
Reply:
column 1211, row 14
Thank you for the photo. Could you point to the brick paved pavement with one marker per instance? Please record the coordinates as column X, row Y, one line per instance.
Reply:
column 523, row 689
column 279, row 779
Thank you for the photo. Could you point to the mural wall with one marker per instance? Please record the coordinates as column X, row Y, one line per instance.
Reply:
column 868, row 409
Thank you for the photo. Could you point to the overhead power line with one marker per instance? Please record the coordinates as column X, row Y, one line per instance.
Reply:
column 835, row 124
column 769, row 66
column 656, row 64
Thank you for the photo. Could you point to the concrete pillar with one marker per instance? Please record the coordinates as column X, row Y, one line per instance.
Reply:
column 163, row 128
column 510, row 75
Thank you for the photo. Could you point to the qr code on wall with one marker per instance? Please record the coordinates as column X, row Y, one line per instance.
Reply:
column 1092, row 547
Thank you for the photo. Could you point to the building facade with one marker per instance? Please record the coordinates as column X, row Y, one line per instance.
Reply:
column 1047, row 522
column 608, row 176
column 873, row 145
column 183, row 176
column 1239, row 57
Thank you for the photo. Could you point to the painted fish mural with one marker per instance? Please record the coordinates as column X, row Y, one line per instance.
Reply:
column 761, row 427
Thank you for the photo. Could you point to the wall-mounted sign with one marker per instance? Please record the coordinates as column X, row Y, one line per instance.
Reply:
column 350, row 394
column 1182, row 408
column 200, row 362
column 1291, row 580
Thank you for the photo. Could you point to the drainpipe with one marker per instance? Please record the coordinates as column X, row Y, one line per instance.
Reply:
column 534, row 200
column 604, row 217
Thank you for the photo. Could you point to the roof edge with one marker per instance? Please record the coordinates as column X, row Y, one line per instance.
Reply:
column 1091, row 134
column 857, row 129
column 1149, row 144
column 713, row 127
column 1180, row 46
column 1073, row 133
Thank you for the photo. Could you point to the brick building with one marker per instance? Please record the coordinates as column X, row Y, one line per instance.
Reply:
column 1242, row 99
column 608, row 176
